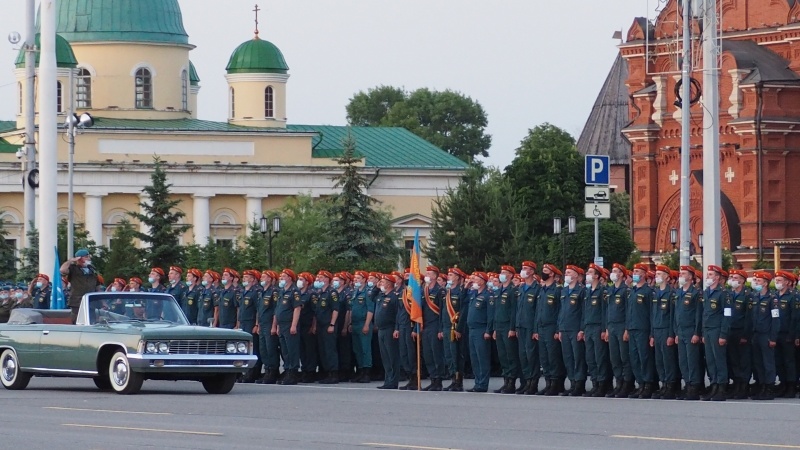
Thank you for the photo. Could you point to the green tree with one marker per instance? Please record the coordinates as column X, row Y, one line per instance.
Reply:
column 621, row 209
column 124, row 259
column 8, row 270
column 480, row 224
column 161, row 216
column 361, row 234
column 253, row 248
column 450, row 120
column 306, row 236
column 29, row 257
column 615, row 244
column 81, row 240
column 547, row 177
column 195, row 256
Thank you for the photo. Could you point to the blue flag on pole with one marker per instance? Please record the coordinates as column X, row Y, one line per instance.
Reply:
column 57, row 300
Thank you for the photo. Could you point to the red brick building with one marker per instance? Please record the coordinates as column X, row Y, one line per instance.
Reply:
column 759, row 129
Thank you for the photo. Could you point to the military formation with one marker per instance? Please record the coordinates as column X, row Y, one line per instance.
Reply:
column 661, row 334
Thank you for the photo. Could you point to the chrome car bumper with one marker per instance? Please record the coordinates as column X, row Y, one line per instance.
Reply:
column 191, row 363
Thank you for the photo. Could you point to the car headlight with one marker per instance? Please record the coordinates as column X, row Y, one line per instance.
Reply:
column 230, row 347
column 150, row 347
column 163, row 347
column 241, row 347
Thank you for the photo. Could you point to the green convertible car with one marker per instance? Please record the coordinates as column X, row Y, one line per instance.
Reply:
column 120, row 340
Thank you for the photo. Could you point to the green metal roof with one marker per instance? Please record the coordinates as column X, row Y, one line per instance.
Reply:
column 121, row 21
column 383, row 147
column 7, row 125
column 194, row 78
column 257, row 56
column 176, row 125
column 5, row 147
column 64, row 54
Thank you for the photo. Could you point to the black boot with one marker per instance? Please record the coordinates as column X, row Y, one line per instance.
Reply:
column 503, row 387
column 356, row 377
column 712, row 392
column 669, row 391
column 791, row 391
column 265, row 378
column 636, row 392
column 511, row 387
column 567, row 392
column 741, row 391
column 603, row 388
column 554, row 389
column 627, row 389
column 365, row 376
column 523, row 387
column 452, row 383
column 647, row 392
column 547, row 385
column 435, row 386
column 719, row 395
column 290, row 378
column 412, row 383
column 616, row 390
column 657, row 393
column 595, row 388
column 692, row 392
column 458, row 385
column 579, row 389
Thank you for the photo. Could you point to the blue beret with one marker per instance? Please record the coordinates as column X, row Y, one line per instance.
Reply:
column 81, row 253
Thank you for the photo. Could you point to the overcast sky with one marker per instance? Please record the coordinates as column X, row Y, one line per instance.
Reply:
column 526, row 61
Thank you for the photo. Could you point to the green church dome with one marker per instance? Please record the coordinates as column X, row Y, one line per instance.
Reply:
column 158, row 21
column 257, row 56
column 194, row 79
column 64, row 55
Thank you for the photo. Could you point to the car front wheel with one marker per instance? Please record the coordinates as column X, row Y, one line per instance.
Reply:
column 10, row 374
column 123, row 380
column 220, row 384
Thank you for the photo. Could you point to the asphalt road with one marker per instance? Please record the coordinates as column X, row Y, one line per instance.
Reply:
column 72, row 414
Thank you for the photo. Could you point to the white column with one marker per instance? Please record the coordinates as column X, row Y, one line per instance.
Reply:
column 201, row 213
column 143, row 228
column 93, row 211
column 253, row 211
column 48, row 138
column 712, row 220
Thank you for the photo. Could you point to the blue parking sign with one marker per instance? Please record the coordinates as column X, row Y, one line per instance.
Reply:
column 597, row 170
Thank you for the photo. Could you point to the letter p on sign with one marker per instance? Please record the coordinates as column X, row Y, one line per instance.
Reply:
column 597, row 170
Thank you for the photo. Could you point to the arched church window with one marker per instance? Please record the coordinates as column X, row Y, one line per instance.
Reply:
column 269, row 102
column 233, row 104
column 144, row 88
column 185, row 90
column 83, row 89
column 59, row 98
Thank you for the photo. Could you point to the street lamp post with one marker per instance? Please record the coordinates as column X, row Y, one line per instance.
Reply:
column 673, row 237
column 700, row 241
column 269, row 231
column 571, row 229
column 73, row 123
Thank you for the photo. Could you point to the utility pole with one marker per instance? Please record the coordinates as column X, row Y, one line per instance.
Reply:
column 48, row 139
column 712, row 227
column 29, row 159
column 686, row 95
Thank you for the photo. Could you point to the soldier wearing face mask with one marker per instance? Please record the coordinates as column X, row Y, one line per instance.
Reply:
column 386, row 310
column 688, row 332
column 285, row 325
column 505, row 331
column 545, row 330
column 82, row 277
column 593, row 329
column 6, row 304
column 716, row 322
column 638, row 326
column 41, row 292
column 326, row 311
column 766, row 326
column 784, row 351
column 432, row 345
column 662, row 336
column 740, row 334
column 308, row 328
column 527, row 292
column 454, row 329
column 616, row 335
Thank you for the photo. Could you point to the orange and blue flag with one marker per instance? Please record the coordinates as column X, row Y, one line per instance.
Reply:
column 414, row 289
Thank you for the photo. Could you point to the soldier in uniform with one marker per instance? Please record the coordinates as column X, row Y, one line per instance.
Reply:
column 267, row 337
column 175, row 286
column 117, row 306
column 156, row 274
column 432, row 348
column 408, row 351
column 285, row 325
column 593, row 329
column 616, row 334
column 784, row 351
column 662, row 336
column 638, row 327
column 248, row 309
column 326, row 312
column 344, row 341
column 82, row 278
column 688, row 322
column 208, row 297
column 740, row 334
column 41, row 292
column 527, row 292
column 480, row 334
column 386, row 311
column 453, row 329
column 766, row 326
column 227, row 304
column 192, row 295
column 505, row 330
column 6, row 304
column 359, row 319
column 716, row 323
column 374, row 292
column 570, row 321
column 135, row 284
column 308, row 328
column 548, row 307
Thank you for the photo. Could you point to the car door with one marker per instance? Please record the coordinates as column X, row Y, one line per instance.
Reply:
column 24, row 339
column 59, row 345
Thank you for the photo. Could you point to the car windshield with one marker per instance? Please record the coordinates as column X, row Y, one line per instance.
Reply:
column 115, row 308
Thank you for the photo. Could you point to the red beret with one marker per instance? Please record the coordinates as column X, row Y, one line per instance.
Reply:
column 397, row 274
column 651, row 274
column 458, row 272
column 44, row 275
column 602, row 271
column 509, row 269
column 718, row 269
column 325, row 274
column 577, row 269
column 362, row 273
column 788, row 275
column 663, row 268
column 553, row 269
column 290, row 273
column 761, row 274
column 674, row 274
column 136, row 280
column 432, row 269
column 641, row 266
column 377, row 275
column 390, row 278
column 620, row 267
column 741, row 273
column 306, row 276
column 120, row 281
column 481, row 275
column 530, row 264
column 406, row 270
column 158, row 270
column 232, row 272
column 176, row 269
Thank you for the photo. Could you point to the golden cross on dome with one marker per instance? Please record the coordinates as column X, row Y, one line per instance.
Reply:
column 256, row 10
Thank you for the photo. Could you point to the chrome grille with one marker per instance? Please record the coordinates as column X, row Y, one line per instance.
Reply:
column 197, row 347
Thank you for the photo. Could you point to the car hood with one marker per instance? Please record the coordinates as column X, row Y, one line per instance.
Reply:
column 163, row 330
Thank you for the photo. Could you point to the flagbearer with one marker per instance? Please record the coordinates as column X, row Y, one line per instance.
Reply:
column 480, row 331
column 408, row 352
column 453, row 328
column 527, row 292
column 432, row 348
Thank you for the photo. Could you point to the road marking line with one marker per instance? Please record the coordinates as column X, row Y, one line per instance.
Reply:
column 701, row 441
column 201, row 433
column 61, row 408
column 378, row 444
